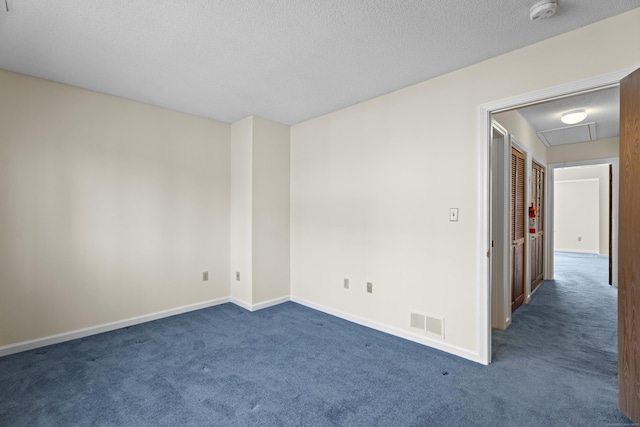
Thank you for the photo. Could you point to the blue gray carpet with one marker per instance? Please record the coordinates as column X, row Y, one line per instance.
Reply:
column 292, row 366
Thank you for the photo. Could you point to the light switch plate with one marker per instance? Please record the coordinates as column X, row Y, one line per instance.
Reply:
column 453, row 214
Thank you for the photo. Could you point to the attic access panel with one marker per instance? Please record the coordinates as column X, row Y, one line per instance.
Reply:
column 569, row 135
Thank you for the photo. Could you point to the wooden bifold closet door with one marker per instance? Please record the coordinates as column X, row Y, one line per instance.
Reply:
column 517, row 228
column 537, row 238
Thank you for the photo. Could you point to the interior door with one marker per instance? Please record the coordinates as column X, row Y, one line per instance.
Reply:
column 537, row 239
column 629, row 249
column 517, row 227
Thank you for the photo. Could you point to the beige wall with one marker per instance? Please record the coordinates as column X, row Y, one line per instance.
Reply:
column 259, row 211
column 517, row 126
column 109, row 209
column 241, row 210
column 565, row 209
column 607, row 148
column 372, row 184
column 271, row 256
column 576, row 216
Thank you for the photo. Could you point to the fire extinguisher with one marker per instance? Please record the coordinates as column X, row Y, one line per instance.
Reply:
column 532, row 218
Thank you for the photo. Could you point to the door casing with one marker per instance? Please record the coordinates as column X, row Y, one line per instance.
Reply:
column 500, row 227
column 484, row 191
column 615, row 165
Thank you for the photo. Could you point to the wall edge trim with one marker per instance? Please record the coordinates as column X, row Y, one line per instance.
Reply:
column 19, row 347
column 271, row 303
column 577, row 251
column 260, row 305
column 392, row 330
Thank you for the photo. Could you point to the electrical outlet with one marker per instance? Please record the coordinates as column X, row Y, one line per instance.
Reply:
column 237, row 276
column 346, row 283
column 369, row 287
column 205, row 276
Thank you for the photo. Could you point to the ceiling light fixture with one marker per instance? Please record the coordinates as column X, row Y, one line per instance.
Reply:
column 574, row 116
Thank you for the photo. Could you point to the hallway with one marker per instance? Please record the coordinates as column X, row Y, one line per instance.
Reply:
column 565, row 339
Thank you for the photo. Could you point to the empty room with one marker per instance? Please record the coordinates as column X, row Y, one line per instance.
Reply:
column 304, row 213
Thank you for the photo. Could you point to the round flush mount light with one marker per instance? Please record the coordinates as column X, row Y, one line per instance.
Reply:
column 543, row 9
column 574, row 116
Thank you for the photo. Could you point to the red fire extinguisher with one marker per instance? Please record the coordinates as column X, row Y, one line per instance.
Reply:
column 532, row 218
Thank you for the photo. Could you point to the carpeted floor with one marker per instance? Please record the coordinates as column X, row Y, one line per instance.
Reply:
column 292, row 366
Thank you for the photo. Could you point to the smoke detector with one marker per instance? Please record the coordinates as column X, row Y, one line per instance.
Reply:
column 543, row 9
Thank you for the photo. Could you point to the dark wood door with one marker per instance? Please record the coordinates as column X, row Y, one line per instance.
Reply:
column 537, row 239
column 517, row 228
column 629, row 249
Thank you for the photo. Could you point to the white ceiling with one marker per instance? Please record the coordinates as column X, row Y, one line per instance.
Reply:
column 603, row 120
column 284, row 60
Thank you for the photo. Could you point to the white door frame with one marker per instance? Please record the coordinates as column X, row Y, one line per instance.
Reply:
column 615, row 185
column 484, row 219
column 500, row 227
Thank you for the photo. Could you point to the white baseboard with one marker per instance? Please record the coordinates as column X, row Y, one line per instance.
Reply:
column 80, row 333
column 260, row 305
column 106, row 327
column 270, row 303
column 578, row 251
column 392, row 330
column 241, row 303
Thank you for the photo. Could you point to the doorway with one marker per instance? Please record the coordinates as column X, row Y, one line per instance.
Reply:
column 486, row 238
column 606, row 172
column 582, row 214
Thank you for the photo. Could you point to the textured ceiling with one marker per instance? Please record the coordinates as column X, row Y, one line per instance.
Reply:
column 602, row 107
column 284, row 60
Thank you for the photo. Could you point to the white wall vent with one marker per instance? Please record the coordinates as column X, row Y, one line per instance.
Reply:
column 418, row 321
column 431, row 325
column 435, row 326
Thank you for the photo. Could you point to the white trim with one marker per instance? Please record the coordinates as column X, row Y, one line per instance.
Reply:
column 545, row 213
column 513, row 140
column 548, row 225
column 411, row 336
column 484, row 127
column 578, row 251
column 260, row 305
column 571, row 181
column 615, row 190
column 557, row 92
column 591, row 162
column 270, row 303
column 483, row 294
column 500, row 228
column 241, row 303
column 536, row 159
column 105, row 327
